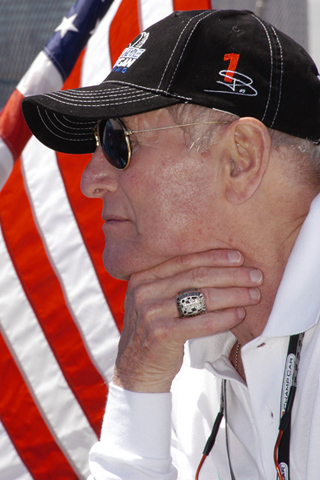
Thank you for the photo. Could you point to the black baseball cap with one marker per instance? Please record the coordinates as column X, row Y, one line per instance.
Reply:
column 228, row 60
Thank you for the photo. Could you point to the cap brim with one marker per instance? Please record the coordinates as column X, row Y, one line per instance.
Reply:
column 64, row 120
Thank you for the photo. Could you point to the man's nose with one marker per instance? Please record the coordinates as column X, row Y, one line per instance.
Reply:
column 99, row 176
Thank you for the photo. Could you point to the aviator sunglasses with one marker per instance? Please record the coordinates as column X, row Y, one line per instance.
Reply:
column 113, row 137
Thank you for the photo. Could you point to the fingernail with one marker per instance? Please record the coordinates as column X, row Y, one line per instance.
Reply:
column 241, row 313
column 255, row 293
column 256, row 276
column 234, row 256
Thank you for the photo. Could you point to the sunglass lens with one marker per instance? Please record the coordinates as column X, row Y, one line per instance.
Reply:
column 113, row 143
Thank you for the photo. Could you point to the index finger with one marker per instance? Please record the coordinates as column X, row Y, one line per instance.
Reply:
column 210, row 258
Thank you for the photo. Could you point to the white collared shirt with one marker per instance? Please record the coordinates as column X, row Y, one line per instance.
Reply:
column 135, row 441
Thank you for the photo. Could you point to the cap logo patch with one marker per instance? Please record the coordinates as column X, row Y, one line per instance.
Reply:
column 234, row 82
column 131, row 53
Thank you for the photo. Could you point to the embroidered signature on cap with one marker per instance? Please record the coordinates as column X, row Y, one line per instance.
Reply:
column 237, row 84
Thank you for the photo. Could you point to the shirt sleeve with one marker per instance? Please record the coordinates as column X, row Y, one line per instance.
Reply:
column 135, row 438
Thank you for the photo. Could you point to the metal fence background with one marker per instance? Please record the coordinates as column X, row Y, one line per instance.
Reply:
column 25, row 28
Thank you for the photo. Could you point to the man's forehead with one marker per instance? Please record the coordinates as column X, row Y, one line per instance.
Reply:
column 137, row 122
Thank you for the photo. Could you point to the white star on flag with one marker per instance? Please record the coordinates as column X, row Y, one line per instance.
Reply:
column 67, row 25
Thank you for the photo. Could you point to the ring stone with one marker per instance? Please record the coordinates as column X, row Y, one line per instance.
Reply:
column 190, row 303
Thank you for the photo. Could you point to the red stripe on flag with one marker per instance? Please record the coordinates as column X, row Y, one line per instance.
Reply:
column 191, row 4
column 87, row 213
column 13, row 129
column 22, row 238
column 25, row 426
column 124, row 28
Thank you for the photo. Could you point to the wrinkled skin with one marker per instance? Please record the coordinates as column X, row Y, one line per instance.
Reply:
column 164, row 231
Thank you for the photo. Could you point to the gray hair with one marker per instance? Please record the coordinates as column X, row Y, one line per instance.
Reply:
column 203, row 136
column 305, row 153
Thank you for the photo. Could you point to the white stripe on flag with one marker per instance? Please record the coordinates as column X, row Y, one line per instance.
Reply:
column 41, row 77
column 152, row 12
column 6, row 163
column 12, row 468
column 69, row 255
column 97, row 61
column 64, row 416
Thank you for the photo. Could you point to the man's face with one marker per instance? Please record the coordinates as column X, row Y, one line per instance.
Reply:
column 163, row 205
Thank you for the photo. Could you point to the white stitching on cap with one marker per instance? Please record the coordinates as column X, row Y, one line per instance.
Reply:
column 66, row 131
column 166, row 67
column 271, row 72
column 81, row 126
column 281, row 76
column 87, row 94
column 85, row 103
column 92, row 97
column 156, row 90
column 55, row 134
column 99, row 98
column 73, row 100
column 185, row 46
column 69, row 120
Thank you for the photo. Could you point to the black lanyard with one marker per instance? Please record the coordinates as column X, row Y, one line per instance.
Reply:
column 289, row 386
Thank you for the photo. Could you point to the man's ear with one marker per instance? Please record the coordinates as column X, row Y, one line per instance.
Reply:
column 249, row 150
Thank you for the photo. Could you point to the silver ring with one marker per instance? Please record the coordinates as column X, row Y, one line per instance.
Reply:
column 190, row 302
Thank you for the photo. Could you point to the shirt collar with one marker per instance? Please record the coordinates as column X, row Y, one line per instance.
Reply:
column 297, row 304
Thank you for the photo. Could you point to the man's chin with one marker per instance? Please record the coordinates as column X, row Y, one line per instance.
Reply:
column 118, row 269
column 123, row 269
column 116, row 272
column 119, row 276
column 123, row 266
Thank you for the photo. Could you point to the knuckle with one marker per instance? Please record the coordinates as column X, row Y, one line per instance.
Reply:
column 162, row 331
column 185, row 261
column 200, row 275
column 148, row 311
column 146, row 316
column 140, row 296
column 217, row 256
column 136, row 279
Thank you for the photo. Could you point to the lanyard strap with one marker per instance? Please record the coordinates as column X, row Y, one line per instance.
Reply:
column 227, row 439
column 289, row 386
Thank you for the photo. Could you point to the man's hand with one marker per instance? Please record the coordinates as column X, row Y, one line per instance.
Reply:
column 152, row 343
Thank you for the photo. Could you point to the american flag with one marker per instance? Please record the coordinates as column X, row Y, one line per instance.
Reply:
column 60, row 312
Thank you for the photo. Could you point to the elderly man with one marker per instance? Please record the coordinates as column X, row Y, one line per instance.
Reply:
column 205, row 139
